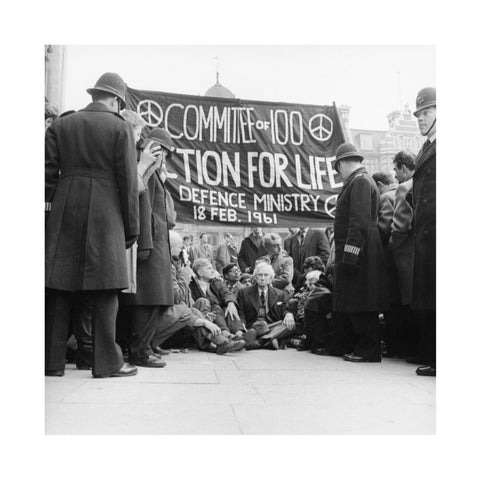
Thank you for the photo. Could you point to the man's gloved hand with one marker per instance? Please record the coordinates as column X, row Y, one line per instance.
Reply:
column 130, row 241
column 143, row 254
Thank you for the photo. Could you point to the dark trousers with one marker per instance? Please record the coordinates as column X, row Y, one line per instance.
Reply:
column 107, row 357
column 358, row 333
column 402, row 332
column 81, row 325
column 428, row 336
column 172, row 320
column 316, row 329
column 144, row 321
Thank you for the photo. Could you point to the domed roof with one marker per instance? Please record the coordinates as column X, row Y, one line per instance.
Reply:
column 219, row 91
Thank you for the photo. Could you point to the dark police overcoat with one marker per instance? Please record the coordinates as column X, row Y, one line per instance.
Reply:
column 360, row 276
column 424, row 229
column 91, row 189
column 154, row 278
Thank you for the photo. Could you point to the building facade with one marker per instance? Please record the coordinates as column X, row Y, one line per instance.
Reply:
column 380, row 146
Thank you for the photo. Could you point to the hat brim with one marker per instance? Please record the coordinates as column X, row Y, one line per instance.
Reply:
column 147, row 140
column 350, row 155
column 90, row 91
column 424, row 107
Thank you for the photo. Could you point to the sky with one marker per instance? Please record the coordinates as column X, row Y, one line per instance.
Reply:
column 372, row 80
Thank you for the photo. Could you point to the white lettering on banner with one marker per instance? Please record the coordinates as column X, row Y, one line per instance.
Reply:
column 263, row 169
column 217, row 168
column 167, row 113
column 287, row 202
column 195, row 123
column 211, row 197
column 331, row 174
column 228, row 168
column 287, row 127
column 232, row 124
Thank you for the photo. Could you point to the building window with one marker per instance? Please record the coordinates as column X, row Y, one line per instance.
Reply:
column 366, row 142
column 400, row 142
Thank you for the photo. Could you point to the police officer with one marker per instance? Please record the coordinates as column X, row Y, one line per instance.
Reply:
column 424, row 230
column 92, row 202
column 359, row 275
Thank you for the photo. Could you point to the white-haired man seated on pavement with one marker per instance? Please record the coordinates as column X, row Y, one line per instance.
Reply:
column 264, row 308
column 184, row 313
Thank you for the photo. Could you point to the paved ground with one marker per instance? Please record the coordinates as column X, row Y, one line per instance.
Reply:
column 249, row 392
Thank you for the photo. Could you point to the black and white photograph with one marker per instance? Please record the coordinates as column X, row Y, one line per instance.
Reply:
column 237, row 240
column 224, row 237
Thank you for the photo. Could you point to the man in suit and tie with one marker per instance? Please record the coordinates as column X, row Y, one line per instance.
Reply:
column 263, row 302
column 424, row 229
column 307, row 242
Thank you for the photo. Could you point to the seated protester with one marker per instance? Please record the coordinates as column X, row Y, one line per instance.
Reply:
column 282, row 264
column 263, row 308
column 245, row 280
column 317, row 312
column 211, row 295
column 207, row 334
column 312, row 263
column 231, row 275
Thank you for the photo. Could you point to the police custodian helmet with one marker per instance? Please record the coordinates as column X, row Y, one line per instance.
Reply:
column 111, row 83
column 346, row 150
column 426, row 98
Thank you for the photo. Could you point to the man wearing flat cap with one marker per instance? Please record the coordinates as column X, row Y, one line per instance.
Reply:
column 424, row 230
column 154, row 294
column 360, row 276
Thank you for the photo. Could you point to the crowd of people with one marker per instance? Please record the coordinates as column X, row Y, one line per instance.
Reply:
column 123, row 287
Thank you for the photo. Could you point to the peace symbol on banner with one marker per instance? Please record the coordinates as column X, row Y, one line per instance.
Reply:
column 331, row 205
column 321, row 127
column 151, row 112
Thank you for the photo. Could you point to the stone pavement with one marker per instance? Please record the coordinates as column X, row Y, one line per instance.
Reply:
column 248, row 392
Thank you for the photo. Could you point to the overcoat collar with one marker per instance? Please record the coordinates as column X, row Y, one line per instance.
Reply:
column 97, row 106
column 427, row 152
column 355, row 173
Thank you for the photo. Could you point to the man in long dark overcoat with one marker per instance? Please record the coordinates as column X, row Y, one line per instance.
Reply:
column 401, row 246
column 154, row 294
column 424, row 230
column 92, row 206
column 360, row 276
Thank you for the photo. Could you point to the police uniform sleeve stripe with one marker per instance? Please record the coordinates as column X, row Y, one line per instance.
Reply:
column 48, row 206
column 352, row 249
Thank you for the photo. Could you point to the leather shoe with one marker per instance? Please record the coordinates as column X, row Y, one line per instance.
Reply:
column 253, row 345
column 271, row 344
column 230, row 346
column 320, row 351
column 426, row 371
column 162, row 352
column 150, row 362
column 249, row 336
column 54, row 372
column 359, row 359
column 125, row 370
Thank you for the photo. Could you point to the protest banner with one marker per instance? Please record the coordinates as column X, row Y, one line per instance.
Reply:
column 247, row 163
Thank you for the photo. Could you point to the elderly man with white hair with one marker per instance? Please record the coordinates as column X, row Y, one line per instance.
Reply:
column 264, row 308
